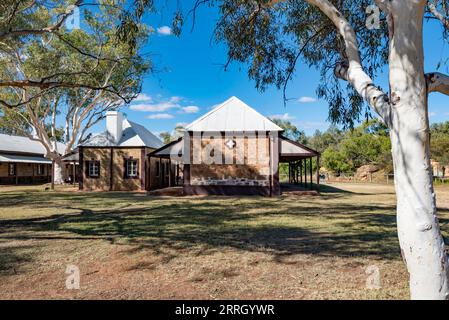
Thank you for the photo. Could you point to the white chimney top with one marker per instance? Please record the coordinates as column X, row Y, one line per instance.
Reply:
column 114, row 125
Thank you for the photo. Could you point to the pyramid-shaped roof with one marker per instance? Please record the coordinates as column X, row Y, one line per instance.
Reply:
column 134, row 135
column 233, row 115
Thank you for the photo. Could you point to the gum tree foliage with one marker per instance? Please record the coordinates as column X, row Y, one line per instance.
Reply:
column 177, row 133
column 439, row 142
column 57, row 84
column 367, row 144
column 320, row 141
column 34, row 24
column 291, row 131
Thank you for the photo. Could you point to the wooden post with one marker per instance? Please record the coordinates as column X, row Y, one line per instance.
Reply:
column 53, row 175
column 111, row 171
column 304, row 169
column 81, row 168
column 274, row 163
column 169, row 173
column 311, row 173
column 318, row 173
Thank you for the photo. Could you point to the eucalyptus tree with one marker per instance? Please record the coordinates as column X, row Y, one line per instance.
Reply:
column 39, row 22
column 107, row 82
column 335, row 36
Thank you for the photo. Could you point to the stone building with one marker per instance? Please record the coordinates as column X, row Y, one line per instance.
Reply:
column 234, row 150
column 116, row 160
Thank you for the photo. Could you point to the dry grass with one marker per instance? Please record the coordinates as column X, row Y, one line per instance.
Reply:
column 131, row 246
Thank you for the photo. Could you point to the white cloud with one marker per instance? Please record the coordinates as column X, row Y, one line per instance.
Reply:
column 432, row 114
column 160, row 106
column 190, row 109
column 175, row 99
column 163, row 105
column 164, row 31
column 307, row 100
column 284, row 116
column 142, row 97
column 156, row 107
column 160, row 116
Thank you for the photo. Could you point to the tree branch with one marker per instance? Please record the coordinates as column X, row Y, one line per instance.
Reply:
column 444, row 20
column 437, row 82
column 50, row 29
column 352, row 69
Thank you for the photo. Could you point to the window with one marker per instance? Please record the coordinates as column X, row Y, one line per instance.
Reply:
column 40, row 169
column 93, row 169
column 131, row 168
column 12, row 169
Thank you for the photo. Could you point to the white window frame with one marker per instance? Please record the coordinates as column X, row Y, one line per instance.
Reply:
column 12, row 168
column 131, row 168
column 94, row 169
column 40, row 169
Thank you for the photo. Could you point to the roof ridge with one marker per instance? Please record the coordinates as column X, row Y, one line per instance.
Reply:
column 207, row 114
column 243, row 106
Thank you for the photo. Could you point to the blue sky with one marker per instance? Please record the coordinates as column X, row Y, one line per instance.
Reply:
column 191, row 79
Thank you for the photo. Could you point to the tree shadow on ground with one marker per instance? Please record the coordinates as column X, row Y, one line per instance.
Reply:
column 214, row 224
column 351, row 231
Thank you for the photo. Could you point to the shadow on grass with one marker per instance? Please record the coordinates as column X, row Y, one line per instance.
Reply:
column 280, row 227
column 350, row 230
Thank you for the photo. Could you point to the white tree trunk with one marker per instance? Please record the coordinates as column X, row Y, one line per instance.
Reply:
column 422, row 245
column 58, row 171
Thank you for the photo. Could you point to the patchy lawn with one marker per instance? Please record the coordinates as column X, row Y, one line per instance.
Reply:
column 133, row 246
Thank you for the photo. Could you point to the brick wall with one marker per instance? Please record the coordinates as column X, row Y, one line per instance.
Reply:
column 247, row 164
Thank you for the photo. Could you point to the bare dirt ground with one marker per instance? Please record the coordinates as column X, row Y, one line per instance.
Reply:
column 134, row 246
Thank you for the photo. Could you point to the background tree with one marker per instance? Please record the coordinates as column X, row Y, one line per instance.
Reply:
column 25, row 23
column 439, row 142
column 291, row 131
column 335, row 160
column 177, row 133
column 320, row 141
column 80, row 107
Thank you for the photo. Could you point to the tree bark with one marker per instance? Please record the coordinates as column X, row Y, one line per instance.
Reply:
column 59, row 170
column 422, row 245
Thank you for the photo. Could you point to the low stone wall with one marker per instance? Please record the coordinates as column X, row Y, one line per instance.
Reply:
column 201, row 181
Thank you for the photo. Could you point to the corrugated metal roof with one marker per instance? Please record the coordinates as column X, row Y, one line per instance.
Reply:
column 233, row 115
column 23, row 159
column 289, row 147
column 10, row 143
column 174, row 148
column 134, row 135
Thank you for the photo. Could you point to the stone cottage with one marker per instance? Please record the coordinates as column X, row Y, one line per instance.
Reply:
column 234, row 150
column 116, row 160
